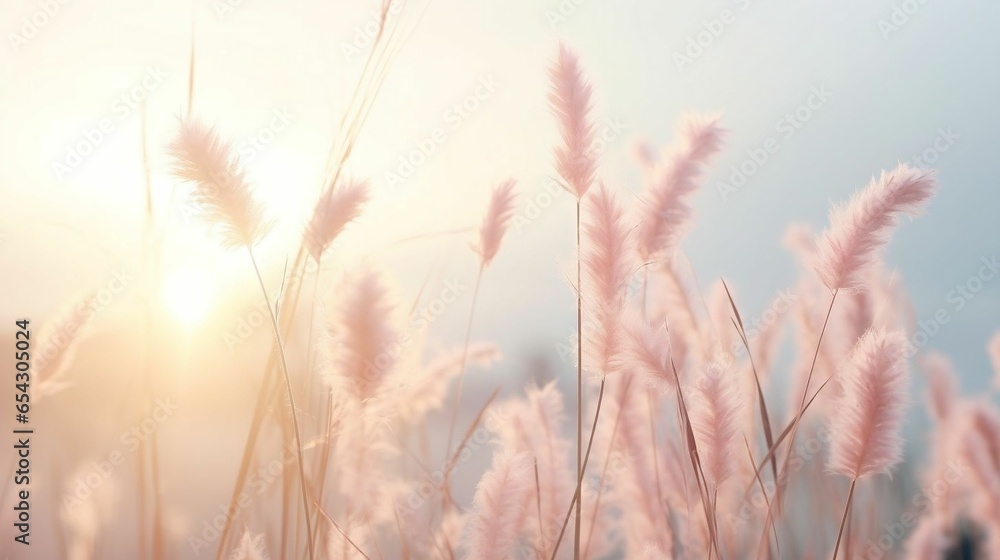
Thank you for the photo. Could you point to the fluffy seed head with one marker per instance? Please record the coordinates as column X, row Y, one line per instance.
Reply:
column 498, row 216
column 865, row 431
column 221, row 190
column 570, row 101
column 336, row 207
column 860, row 229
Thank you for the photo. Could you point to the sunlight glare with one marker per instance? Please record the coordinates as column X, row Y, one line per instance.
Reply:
column 187, row 295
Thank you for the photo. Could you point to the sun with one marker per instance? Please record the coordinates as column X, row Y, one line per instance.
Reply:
column 187, row 295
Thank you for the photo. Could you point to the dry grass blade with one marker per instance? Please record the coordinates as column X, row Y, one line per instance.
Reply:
column 319, row 508
column 765, row 418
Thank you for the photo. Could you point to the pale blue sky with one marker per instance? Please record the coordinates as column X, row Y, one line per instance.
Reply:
column 891, row 93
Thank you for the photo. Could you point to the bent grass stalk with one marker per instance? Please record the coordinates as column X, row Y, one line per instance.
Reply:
column 291, row 401
column 267, row 393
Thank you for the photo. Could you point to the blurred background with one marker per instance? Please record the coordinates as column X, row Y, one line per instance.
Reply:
column 818, row 98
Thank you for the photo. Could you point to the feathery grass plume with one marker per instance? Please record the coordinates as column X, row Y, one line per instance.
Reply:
column 942, row 386
column 716, row 416
column 570, row 101
column 498, row 508
column 498, row 216
column 336, row 207
column 57, row 344
column 663, row 210
column 427, row 391
column 995, row 358
column 365, row 341
column 637, row 492
column 859, row 229
column 221, row 190
column 251, row 547
column 607, row 268
column 646, row 351
column 866, row 437
column 533, row 426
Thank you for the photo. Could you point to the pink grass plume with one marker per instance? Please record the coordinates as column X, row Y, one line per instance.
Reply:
column 861, row 228
column 866, row 437
column 361, row 324
column 716, row 416
column 221, row 190
column 336, row 207
column 498, row 508
column 570, row 100
column 499, row 213
column 663, row 211
column 607, row 269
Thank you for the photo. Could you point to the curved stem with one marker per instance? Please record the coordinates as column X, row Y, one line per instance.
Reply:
column 843, row 521
column 291, row 400
column 802, row 404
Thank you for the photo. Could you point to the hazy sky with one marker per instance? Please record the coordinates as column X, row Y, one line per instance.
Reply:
column 871, row 82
